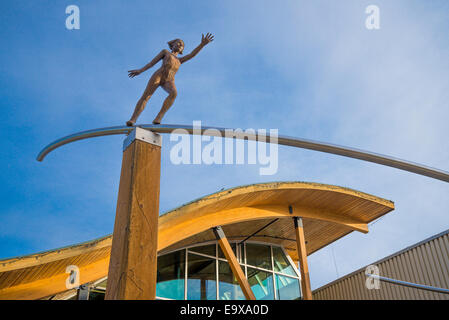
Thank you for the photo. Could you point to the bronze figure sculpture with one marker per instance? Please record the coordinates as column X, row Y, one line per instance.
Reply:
column 164, row 76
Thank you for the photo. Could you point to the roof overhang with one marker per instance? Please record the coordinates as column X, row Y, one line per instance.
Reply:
column 260, row 212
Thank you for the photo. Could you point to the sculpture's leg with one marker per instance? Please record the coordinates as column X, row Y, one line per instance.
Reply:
column 152, row 85
column 172, row 93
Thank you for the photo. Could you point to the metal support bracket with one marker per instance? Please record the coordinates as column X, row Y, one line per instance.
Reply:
column 142, row 135
column 298, row 222
column 83, row 292
column 218, row 231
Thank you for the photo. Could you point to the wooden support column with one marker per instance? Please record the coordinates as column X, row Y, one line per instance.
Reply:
column 233, row 263
column 133, row 263
column 302, row 254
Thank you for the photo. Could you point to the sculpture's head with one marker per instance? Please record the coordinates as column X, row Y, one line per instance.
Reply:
column 176, row 45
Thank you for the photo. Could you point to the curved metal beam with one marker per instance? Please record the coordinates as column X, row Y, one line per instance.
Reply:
column 282, row 140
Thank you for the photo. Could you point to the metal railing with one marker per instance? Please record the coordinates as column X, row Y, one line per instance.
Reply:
column 282, row 140
column 409, row 284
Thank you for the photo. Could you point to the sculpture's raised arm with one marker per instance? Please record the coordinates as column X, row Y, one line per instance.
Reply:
column 204, row 41
column 136, row 72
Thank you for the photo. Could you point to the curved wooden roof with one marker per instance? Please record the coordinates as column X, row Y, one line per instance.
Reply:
column 257, row 212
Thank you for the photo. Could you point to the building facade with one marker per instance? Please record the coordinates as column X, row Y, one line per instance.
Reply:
column 267, row 231
column 201, row 272
column 425, row 263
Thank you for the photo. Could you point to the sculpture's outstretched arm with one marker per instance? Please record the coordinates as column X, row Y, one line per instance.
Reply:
column 133, row 73
column 204, row 40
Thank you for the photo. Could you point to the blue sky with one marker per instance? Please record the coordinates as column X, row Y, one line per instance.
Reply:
column 308, row 68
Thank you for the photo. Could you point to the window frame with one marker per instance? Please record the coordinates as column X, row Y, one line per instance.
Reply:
column 241, row 255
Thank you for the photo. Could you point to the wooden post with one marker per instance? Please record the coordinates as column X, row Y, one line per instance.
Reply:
column 133, row 263
column 302, row 254
column 233, row 263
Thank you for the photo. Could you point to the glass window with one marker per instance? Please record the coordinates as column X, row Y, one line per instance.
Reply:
column 201, row 282
column 281, row 264
column 263, row 269
column 261, row 283
column 229, row 288
column 258, row 255
column 221, row 254
column 208, row 249
column 287, row 288
column 171, row 275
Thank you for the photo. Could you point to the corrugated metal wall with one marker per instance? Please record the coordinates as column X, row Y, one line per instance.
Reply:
column 426, row 262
